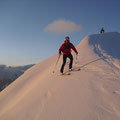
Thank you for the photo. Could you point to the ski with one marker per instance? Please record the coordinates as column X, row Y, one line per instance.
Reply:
column 73, row 70
column 65, row 74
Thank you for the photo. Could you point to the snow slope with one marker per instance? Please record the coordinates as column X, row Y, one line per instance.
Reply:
column 90, row 94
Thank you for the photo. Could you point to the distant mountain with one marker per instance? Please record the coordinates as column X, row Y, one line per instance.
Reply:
column 9, row 74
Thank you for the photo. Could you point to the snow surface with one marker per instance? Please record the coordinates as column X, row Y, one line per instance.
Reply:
column 90, row 94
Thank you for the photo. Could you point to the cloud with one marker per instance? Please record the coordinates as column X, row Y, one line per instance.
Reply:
column 63, row 26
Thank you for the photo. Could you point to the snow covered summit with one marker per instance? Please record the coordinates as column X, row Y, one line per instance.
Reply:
column 108, row 43
column 90, row 94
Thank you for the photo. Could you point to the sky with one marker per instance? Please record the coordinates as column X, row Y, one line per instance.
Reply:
column 33, row 30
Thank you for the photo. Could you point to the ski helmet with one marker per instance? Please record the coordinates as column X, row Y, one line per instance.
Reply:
column 67, row 38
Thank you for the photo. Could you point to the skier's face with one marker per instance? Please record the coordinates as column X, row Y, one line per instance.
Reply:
column 67, row 41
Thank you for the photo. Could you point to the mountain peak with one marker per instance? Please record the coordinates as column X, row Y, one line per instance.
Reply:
column 92, row 93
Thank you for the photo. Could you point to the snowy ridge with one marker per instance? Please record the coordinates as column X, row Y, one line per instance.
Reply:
column 104, row 47
column 90, row 94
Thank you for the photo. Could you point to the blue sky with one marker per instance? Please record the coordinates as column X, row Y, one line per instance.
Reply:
column 23, row 35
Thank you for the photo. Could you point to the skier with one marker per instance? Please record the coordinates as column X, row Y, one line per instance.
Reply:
column 102, row 31
column 66, row 50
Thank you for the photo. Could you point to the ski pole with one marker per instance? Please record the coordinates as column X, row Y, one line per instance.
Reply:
column 56, row 63
column 76, row 58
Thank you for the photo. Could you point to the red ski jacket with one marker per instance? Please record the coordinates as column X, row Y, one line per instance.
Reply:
column 66, row 48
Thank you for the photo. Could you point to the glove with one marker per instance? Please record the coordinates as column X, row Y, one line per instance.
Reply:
column 76, row 53
column 59, row 54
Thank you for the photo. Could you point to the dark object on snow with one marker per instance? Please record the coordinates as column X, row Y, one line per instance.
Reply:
column 102, row 31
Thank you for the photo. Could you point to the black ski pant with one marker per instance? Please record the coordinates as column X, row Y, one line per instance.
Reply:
column 64, row 62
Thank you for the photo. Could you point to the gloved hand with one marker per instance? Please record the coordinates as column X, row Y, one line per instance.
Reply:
column 76, row 53
column 59, row 54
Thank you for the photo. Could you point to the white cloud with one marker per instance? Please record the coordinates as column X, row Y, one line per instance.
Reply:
column 63, row 26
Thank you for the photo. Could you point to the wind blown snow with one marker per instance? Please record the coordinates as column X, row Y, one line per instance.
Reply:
column 90, row 94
